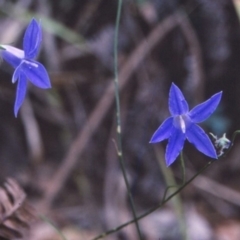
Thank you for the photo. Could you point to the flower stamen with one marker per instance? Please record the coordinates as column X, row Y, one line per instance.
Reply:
column 182, row 124
column 30, row 63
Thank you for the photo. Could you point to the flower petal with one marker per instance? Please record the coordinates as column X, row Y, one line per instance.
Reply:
column 177, row 103
column 32, row 39
column 16, row 74
column 200, row 140
column 36, row 73
column 175, row 145
column 21, row 93
column 163, row 132
column 12, row 55
column 202, row 111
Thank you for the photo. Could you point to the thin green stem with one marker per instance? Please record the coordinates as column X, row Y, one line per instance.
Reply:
column 156, row 207
column 165, row 173
column 118, row 119
column 179, row 205
column 232, row 142
column 47, row 220
column 183, row 167
column 171, row 182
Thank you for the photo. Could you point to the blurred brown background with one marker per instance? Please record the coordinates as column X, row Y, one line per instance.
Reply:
column 61, row 148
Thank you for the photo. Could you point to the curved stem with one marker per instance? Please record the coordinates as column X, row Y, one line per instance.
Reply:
column 156, row 207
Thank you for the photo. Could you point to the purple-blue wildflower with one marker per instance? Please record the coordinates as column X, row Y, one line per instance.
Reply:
column 182, row 125
column 26, row 68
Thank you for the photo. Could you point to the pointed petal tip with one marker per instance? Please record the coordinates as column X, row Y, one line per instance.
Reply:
column 33, row 21
column 15, row 113
column 20, row 93
column 177, row 103
column 204, row 110
column 214, row 155
column 216, row 98
column 16, row 109
column 196, row 136
column 174, row 86
column 169, row 162
column 211, row 155
column 219, row 94
column 32, row 39
column 163, row 132
column 153, row 141
column 47, row 85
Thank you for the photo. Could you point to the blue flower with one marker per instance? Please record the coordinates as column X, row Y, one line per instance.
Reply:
column 182, row 125
column 26, row 68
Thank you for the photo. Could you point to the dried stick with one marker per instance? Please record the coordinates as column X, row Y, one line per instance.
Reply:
column 104, row 104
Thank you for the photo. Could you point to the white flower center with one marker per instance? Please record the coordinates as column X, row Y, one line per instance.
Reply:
column 14, row 51
column 181, row 122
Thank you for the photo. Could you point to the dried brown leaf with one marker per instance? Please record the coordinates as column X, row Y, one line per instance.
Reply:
column 15, row 213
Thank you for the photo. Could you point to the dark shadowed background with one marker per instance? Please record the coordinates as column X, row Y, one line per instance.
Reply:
column 61, row 148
